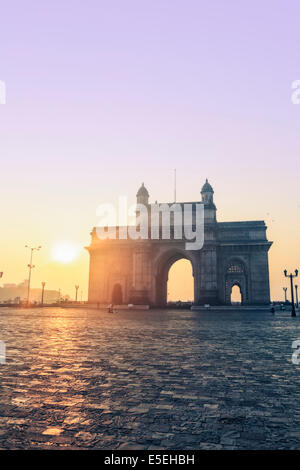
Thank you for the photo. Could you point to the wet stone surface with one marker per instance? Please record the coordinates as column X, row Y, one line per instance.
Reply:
column 77, row 378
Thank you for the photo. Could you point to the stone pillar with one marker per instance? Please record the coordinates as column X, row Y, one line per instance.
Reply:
column 259, row 272
column 196, row 275
column 207, row 282
column 141, row 283
column 98, row 277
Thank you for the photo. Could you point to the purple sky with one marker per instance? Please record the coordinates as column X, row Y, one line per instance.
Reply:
column 102, row 95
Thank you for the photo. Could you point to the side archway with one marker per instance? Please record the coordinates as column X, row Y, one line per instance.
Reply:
column 117, row 295
column 236, row 275
column 236, row 297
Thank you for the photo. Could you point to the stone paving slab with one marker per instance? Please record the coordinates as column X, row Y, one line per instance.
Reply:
column 158, row 379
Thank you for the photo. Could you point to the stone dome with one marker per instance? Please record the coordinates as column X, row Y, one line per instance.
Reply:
column 142, row 191
column 207, row 188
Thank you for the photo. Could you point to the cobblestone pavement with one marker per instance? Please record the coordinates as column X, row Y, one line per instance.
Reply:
column 77, row 378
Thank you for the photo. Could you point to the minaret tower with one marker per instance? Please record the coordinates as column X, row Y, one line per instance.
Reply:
column 142, row 196
column 210, row 209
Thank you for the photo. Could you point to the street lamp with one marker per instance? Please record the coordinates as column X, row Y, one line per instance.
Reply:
column 291, row 276
column 76, row 288
column 43, row 288
column 297, row 302
column 285, row 297
column 30, row 266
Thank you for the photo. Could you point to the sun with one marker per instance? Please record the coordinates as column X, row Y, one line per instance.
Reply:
column 65, row 252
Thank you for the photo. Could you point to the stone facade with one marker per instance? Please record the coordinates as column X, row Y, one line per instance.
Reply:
column 136, row 271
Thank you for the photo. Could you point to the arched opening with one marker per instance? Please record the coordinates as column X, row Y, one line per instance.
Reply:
column 180, row 285
column 117, row 296
column 236, row 295
column 236, row 291
column 174, row 277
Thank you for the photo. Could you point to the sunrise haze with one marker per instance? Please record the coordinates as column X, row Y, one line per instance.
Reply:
column 117, row 93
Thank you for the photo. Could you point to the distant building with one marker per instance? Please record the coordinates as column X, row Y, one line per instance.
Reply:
column 11, row 292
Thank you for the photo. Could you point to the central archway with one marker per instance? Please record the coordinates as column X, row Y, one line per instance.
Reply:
column 180, row 287
column 163, row 266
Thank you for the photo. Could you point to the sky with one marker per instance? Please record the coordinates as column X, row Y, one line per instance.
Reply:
column 102, row 95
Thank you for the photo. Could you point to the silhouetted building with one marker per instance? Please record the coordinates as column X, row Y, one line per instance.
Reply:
column 136, row 271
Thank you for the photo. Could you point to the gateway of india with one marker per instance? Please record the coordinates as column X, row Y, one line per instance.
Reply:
column 126, row 271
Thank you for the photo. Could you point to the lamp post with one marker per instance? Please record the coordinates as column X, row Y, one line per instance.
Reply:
column 76, row 288
column 285, row 297
column 43, row 289
column 291, row 276
column 30, row 266
column 297, row 301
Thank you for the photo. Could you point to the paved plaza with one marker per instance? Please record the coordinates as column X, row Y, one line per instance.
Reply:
column 158, row 379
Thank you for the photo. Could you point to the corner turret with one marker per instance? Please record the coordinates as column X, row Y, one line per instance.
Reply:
column 142, row 196
column 207, row 194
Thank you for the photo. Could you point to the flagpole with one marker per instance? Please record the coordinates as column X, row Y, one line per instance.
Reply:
column 175, row 185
